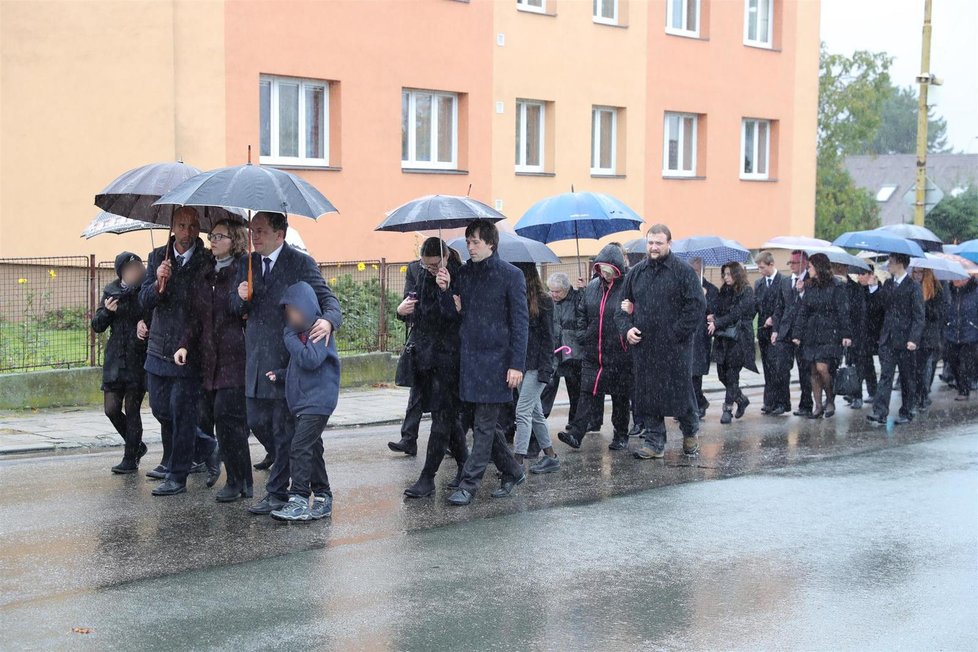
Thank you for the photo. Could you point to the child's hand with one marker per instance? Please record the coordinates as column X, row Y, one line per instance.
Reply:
column 111, row 304
column 180, row 357
column 271, row 376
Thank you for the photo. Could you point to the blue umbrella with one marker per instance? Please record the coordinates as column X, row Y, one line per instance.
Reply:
column 513, row 249
column 714, row 251
column 926, row 238
column 880, row 242
column 969, row 250
column 438, row 212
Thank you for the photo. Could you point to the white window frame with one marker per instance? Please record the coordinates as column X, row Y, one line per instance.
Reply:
column 759, row 43
column 524, row 5
column 596, row 141
column 755, row 149
column 679, row 172
column 521, row 106
column 678, row 31
column 273, row 119
column 596, row 12
column 412, row 162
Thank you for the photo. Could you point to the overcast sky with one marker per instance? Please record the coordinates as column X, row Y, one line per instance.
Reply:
column 894, row 26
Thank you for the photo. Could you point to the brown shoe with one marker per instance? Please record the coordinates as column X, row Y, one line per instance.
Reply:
column 691, row 445
column 646, row 452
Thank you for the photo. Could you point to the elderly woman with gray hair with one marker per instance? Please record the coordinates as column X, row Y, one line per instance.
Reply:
column 568, row 354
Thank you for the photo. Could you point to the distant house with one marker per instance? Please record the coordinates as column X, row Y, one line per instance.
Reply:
column 889, row 177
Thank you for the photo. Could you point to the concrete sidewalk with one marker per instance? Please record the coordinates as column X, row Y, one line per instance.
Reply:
column 83, row 428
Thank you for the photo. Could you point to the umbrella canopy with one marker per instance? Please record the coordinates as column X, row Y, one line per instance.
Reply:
column 250, row 188
column 878, row 241
column 576, row 215
column 714, row 251
column 795, row 243
column 513, row 249
column 116, row 224
column 922, row 236
column 968, row 250
column 636, row 246
column 950, row 248
column 839, row 256
column 134, row 194
column 438, row 212
column 944, row 269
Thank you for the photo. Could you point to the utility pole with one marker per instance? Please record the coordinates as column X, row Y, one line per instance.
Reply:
column 924, row 79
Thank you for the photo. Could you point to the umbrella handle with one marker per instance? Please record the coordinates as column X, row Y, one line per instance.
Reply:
column 250, row 249
column 161, row 283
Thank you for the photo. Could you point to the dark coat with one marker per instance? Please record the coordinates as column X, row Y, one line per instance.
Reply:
column 823, row 321
column 606, row 366
column 903, row 313
column 216, row 334
column 266, row 320
column 767, row 300
column 494, row 331
column 668, row 308
column 125, row 354
column 962, row 314
column 874, row 322
column 312, row 378
column 856, row 298
column 172, row 310
column 702, row 342
column 934, row 319
column 540, row 340
column 786, row 310
column 738, row 309
column 565, row 330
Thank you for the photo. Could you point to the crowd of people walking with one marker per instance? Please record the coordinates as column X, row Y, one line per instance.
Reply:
column 227, row 346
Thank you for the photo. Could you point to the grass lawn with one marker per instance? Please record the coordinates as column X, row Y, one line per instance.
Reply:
column 41, row 348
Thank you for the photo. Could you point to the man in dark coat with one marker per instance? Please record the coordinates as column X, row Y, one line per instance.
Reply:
column 767, row 295
column 491, row 296
column 276, row 266
column 606, row 366
column 856, row 321
column 868, row 348
column 785, row 314
column 667, row 308
column 703, row 341
column 174, row 273
column 903, row 325
column 408, row 443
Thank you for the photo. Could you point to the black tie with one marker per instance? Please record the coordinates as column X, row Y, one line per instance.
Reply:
column 268, row 268
column 180, row 261
column 769, row 281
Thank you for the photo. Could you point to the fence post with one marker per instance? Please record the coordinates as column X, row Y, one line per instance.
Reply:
column 382, row 318
column 92, row 307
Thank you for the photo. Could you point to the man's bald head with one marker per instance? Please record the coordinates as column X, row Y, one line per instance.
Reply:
column 186, row 227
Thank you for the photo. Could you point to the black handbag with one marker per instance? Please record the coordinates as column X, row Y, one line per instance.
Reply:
column 847, row 379
column 731, row 332
column 407, row 368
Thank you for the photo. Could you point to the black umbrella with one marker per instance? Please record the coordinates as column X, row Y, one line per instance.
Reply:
column 513, row 249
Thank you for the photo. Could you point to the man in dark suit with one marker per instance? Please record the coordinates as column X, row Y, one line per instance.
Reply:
column 408, row 444
column 874, row 324
column 276, row 266
column 767, row 294
column 792, row 290
column 168, row 287
column 902, row 301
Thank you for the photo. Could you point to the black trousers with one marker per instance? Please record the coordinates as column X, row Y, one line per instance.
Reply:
column 307, row 457
column 122, row 408
column 571, row 373
column 270, row 420
column 925, row 362
column 962, row 360
column 867, row 371
column 446, row 431
column 173, row 400
column 412, row 416
column 590, row 410
column 769, row 363
column 224, row 412
column 890, row 360
column 730, row 377
column 698, row 394
column 778, row 385
column 488, row 444
column 655, row 425
column 789, row 355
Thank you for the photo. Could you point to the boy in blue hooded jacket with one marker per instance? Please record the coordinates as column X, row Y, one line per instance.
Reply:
column 312, row 385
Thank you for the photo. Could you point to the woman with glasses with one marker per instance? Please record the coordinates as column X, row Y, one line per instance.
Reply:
column 732, row 328
column 216, row 335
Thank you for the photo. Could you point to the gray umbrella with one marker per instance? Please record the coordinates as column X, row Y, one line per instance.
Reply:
column 840, row 256
column 513, row 249
column 134, row 194
column 438, row 212
column 109, row 223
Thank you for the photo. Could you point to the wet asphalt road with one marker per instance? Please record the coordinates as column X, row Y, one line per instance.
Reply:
column 782, row 534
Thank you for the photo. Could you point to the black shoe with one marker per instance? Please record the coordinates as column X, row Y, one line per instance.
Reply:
column 198, row 467
column 902, row 419
column 830, row 410
column 777, row 412
column 265, row 464
column 159, row 473
column 140, row 452
column 817, row 414
column 569, row 439
column 636, row 430
column 213, row 463
column 801, row 412
column 727, row 416
column 231, row 492
column 267, row 505
column 125, row 467
column 765, row 409
column 876, row 418
column 461, row 498
column 546, row 465
column 742, row 404
column 857, row 404
column 507, row 487
column 170, row 488
column 619, row 443
column 423, row 488
column 406, row 446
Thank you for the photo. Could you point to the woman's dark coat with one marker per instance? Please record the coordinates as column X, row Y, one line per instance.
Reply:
column 823, row 321
column 962, row 314
column 668, row 308
column 125, row 354
column 216, row 334
column 702, row 342
column 934, row 319
column 606, row 367
column 540, row 341
column 738, row 309
column 856, row 298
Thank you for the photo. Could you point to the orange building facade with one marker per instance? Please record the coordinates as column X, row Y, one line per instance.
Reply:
column 697, row 113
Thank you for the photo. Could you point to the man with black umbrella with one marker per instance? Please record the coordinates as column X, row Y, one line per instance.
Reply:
column 278, row 266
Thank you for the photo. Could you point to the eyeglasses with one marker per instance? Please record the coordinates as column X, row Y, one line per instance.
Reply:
column 217, row 237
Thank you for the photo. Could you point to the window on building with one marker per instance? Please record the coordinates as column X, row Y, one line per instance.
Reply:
column 683, row 17
column 605, row 11
column 539, row 6
column 679, row 150
column 755, row 148
column 530, row 125
column 429, row 129
column 758, row 16
column 885, row 193
column 294, row 121
column 604, row 137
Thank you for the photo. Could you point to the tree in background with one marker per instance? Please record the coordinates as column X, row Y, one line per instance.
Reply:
column 897, row 132
column 955, row 219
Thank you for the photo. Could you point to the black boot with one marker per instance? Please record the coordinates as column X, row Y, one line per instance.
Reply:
column 213, row 463
column 424, row 487
column 619, row 442
column 727, row 415
column 742, row 403
column 405, row 445
column 126, row 466
column 232, row 491
column 265, row 464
